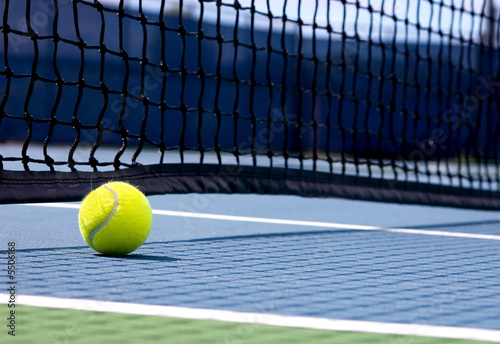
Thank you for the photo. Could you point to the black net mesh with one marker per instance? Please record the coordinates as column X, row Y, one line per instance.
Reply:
column 384, row 100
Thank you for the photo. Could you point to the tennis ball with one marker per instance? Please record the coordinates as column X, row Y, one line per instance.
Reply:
column 115, row 219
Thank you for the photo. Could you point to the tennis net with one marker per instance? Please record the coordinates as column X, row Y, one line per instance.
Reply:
column 382, row 100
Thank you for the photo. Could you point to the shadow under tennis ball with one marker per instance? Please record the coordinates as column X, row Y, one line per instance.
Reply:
column 140, row 257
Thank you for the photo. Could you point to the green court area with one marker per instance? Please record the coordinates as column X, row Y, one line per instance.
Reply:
column 45, row 325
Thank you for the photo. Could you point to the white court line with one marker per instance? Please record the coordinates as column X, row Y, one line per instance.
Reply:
column 295, row 222
column 258, row 318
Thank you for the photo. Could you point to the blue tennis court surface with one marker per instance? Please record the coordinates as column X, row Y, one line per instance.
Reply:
column 295, row 268
column 382, row 100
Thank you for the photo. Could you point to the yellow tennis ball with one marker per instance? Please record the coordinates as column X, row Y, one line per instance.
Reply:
column 115, row 219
